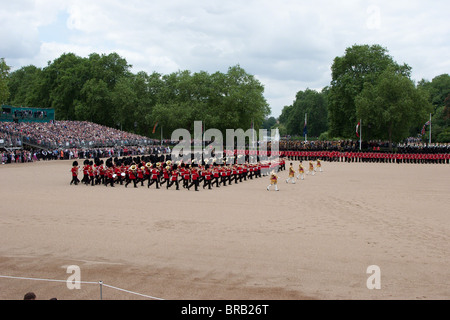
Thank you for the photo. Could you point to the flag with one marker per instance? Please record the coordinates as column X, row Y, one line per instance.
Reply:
column 357, row 129
column 305, row 128
column 425, row 127
column 154, row 128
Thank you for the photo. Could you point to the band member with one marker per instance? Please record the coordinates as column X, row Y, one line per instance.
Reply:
column 154, row 177
column 208, row 178
column 291, row 175
column 85, row 179
column 120, row 175
column 223, row 176
column 74, row 172
column 173, row 174
column 140, row 175
column 91, row 172
column 273, row 181
column 194, row 179
column 216, row 176
column 311, row 168
column 165, row 175
column 132, row 176
column 301, row 172
column 186, row 175
column 319, row 165
column 147, row 172
column 110, row 176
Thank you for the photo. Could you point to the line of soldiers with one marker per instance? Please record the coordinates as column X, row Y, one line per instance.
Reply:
column 378, row 157
column 141, row 172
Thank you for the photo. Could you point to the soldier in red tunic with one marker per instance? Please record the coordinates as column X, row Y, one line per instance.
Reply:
column 74, row 172
column 132, row 176
column 154, row 177
column 173, row 177
column 194, row 179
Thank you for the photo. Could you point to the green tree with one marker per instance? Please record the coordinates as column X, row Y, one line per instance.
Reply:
column 21, row 83
column 309, row 102
column 4, row 72
column 391, row 106
column 439, row 91
column 269, row 123
column 361, row 64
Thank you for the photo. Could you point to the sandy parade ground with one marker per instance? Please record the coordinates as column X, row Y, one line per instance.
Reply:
column 311, row 240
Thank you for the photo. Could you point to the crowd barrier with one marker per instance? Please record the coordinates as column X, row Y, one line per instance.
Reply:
column 100, row 283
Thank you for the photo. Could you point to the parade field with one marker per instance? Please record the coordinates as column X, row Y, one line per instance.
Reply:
column 314, row 239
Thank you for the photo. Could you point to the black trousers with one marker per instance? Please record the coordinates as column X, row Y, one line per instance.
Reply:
column 194, row 183
column 74, row 180
column 170, row 183
column 134, row 182
column 152, row 181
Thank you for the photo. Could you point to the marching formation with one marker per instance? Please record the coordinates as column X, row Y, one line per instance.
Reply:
column 292, row 178
column 139, row 172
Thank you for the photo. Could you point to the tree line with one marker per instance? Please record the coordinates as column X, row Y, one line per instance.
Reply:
column 103, row 90
column 368, row 85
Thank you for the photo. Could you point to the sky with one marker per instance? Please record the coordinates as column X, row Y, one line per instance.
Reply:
column 288, row 45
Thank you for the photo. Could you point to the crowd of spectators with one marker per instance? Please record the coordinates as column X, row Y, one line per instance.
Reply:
column 57, row 134
column 83, row 140
column 24, row 156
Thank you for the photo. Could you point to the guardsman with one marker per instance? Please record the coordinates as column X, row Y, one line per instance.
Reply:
column 154, row 176
column 194, row 178
column 132, row 176
column 91, row 172
column 173, row 177
column 74, row 172
column 207, row 178
column 186, row 174
column 85, row 179
column 140, row 175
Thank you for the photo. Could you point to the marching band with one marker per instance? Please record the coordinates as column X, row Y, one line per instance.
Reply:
column 142, row 171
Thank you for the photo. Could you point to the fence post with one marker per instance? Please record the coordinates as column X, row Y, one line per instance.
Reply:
column 101, row 286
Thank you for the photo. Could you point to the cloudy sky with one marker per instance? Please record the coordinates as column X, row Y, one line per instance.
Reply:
column 289, row 45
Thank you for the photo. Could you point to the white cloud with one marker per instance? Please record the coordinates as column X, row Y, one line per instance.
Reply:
column 288, row 44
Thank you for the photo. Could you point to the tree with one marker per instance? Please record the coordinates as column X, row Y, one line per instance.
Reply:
column 4, row 72
column 439, row 91
column 269, row 123
column 21, row 83
column 391, row 106
column 309, row 102
column 361, row 64
column 101, row 88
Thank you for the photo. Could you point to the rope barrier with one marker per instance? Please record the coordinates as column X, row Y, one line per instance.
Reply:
column 83, row 282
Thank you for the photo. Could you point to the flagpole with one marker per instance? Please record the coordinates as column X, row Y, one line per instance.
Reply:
column 360, row 134
column 161, row 135
column 253, row 135
column 306, row 123
column 430, row 129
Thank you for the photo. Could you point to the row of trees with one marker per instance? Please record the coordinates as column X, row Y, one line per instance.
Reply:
column 102, row 89
column 368, row 84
